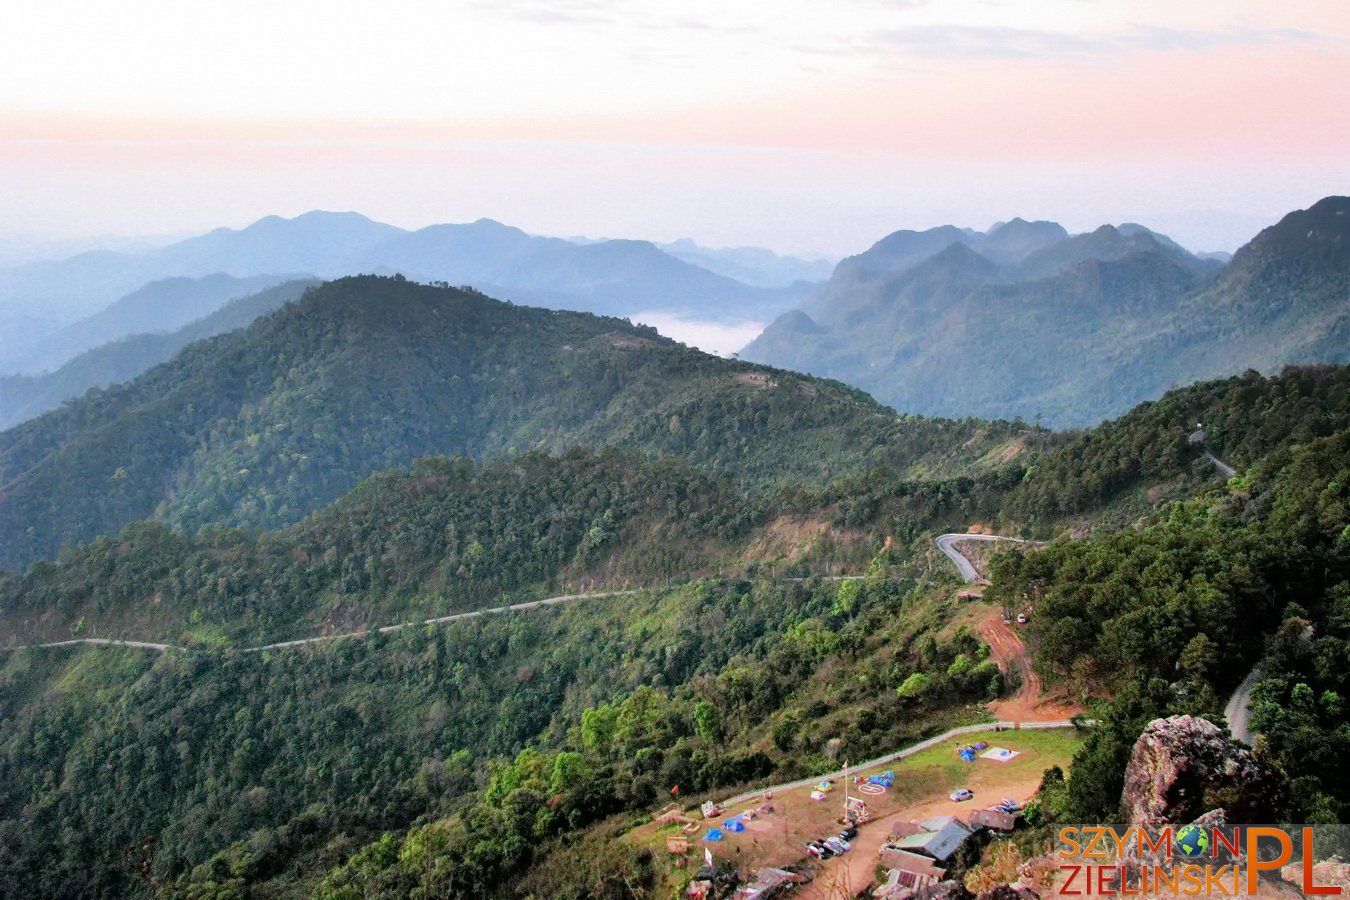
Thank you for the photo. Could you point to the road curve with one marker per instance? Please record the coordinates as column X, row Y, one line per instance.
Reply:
column 1222, row 466
column 946, row 545
column 902, row 754
column 1239, row 708
column 300, row 642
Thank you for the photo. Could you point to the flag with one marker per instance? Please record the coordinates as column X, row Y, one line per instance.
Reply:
column 707, row 855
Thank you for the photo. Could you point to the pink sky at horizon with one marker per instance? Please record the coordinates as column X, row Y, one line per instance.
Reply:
column 794, row 131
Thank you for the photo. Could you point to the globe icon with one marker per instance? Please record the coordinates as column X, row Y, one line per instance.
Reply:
column 1192, row 841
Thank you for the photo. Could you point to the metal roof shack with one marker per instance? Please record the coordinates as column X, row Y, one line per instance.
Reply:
column 939, row 839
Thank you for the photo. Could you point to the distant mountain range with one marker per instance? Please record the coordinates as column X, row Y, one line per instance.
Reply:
column 752, row 265
column 44, row 302
column 25, row 396
column 264, row 425
column 1026, row 320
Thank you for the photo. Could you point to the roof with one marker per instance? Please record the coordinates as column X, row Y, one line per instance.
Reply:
column 940, row 844
column 937, row 823
column 994, row 818
column 904, row 829
column 910, row 862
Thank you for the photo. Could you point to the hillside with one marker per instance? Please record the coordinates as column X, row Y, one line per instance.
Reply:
column 23, row 397
column 472, row 759
column 1075, row 331
column 262, row 426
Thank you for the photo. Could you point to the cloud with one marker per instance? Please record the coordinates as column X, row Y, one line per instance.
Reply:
column 971, row 42
column 554, row 12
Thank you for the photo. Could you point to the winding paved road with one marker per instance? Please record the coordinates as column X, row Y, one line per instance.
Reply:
column 300, row 642
column 900, row 754
column 1222, row 466
column 946, row 544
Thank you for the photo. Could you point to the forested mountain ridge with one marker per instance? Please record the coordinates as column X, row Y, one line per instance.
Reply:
column 1075, row 331
column 264, row 425
column 445, row 537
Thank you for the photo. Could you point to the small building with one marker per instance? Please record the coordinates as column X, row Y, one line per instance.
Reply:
column 904, row 829
column 910, row 864
column 939, row 839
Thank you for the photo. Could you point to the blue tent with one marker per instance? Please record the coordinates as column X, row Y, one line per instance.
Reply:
column 968, row 754
column 890, row 775
column 714, row 834
column 733, row 825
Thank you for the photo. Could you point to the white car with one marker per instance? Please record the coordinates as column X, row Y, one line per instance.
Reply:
column 962, row 794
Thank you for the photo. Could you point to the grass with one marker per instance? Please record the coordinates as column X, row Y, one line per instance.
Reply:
column 922, row 784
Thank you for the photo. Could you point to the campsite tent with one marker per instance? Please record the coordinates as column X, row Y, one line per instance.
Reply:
column 714, row 834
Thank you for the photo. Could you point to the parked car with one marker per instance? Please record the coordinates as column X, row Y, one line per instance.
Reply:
column 819, row 850
column 1010, row 805
column 1022, row 619
column 849, row 833
column 838, row 845
column 962, row 794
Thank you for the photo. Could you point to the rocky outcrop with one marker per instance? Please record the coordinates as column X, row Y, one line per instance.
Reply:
column 1184, row 767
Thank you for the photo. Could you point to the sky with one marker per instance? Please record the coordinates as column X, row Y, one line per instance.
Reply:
column 806, row 127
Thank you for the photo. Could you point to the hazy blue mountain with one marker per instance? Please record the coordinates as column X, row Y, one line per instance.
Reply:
column 1010, row 242
column 160, row 306
column 754, row 266
column 1079, row 329
column 613, row 277
column 327, row 244
column 1108, row 243
column 610, row 277
column 23, row 397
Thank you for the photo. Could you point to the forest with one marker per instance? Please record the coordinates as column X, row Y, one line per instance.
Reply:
column 462, row 759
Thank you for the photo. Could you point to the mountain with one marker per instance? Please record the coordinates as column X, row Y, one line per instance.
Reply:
column 609, row 277
column 264, row 425
column 22, row 396
column 525, row 754
column 159, row 306
column 1069, row 330
column 754, row 266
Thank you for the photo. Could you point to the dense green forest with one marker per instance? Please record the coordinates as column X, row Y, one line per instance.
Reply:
column 461, row 760
column 262, row 426
column 227, row 772
column 1168, row 616
column 446, row 536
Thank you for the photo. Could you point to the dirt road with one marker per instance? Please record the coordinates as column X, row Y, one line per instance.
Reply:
column 1027, row 705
